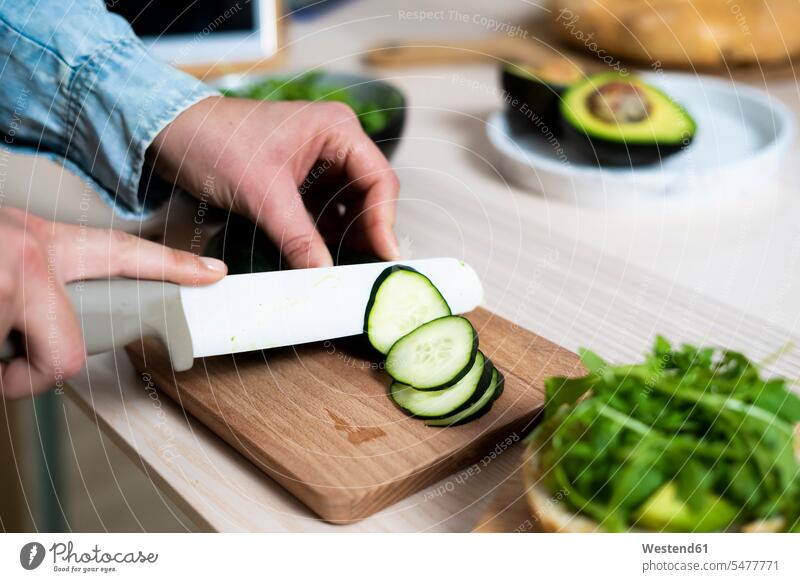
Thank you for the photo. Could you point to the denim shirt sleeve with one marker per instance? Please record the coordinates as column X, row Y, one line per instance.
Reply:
column 76, row 82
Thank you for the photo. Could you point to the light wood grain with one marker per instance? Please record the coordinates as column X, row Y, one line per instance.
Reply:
column 316, row 418
column 563, row 290
column 542, row 280
column 622, row 308
column 508, row 511
column 606, row 280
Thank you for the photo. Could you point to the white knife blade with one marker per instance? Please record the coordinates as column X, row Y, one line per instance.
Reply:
column 266, row 310
column 243, row 312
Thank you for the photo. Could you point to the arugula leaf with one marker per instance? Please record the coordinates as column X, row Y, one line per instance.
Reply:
column 697, row 422
column 592, row 361
column 560, row 390
column 310, row 86
column 775, row 398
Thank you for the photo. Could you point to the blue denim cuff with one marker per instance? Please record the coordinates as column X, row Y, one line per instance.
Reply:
column 158, row 192
column 119, row 99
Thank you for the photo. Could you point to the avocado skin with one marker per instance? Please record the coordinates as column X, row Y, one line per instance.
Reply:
column 541, row 98
column 246, row 249
column 603, row 152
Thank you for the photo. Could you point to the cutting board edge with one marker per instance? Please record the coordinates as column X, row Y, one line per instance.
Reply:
column 425, row 476
column 361, row 501
column 358, row 503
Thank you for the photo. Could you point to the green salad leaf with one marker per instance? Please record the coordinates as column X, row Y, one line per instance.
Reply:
column 310, row 86
column 691, row 439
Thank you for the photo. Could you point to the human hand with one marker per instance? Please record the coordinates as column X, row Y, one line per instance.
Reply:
column 274, row 161
column 37, row 258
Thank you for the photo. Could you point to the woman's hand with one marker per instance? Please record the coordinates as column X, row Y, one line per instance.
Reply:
column 38, row 257
column 276, row 161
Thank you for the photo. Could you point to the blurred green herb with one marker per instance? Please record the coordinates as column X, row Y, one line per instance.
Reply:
column 311, row 86
column 690, row 439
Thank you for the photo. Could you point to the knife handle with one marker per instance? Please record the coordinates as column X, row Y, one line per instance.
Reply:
column 115, row 312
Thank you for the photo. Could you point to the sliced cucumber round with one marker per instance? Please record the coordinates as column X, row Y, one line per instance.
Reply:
column 434, row 356
column 402, row 299
column 441, row 403
column 480, row 407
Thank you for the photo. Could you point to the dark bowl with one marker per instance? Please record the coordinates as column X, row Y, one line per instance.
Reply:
column 386, row 95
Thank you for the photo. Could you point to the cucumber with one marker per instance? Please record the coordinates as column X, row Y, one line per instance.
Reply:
column 432, row 356
column 442, row 403
column 435, row 355
column 402, row 299
column 480, row 407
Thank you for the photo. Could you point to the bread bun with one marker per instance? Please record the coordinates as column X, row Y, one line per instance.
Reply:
column 546, row 509
column 682, row 33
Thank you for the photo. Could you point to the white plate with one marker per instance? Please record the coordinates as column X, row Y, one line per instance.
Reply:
column 742, row 138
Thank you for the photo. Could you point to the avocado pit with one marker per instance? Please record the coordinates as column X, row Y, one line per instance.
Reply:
column 619, row 102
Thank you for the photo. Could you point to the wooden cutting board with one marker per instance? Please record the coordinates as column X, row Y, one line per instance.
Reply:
column 317, row 418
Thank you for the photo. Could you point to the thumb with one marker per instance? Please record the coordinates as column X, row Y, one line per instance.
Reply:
column 95, row 253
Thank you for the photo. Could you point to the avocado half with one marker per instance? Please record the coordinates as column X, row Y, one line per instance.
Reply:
column 619, row 120
column 533, row 94
column 245, row 248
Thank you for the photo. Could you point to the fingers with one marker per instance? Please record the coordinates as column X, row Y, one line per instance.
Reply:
column 372, row 174
column 93, row 253
column 53, row 348
column 284, row 218
column 52, row 338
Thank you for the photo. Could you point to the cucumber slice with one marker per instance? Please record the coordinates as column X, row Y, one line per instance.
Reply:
column 478, row 408
column 434, row 356
column 441, row 403
column 402, row 299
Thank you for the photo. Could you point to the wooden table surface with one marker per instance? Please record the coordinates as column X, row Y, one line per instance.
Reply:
column 606, row 280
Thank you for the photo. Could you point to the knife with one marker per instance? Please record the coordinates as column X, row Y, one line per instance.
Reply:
column 242, row 313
